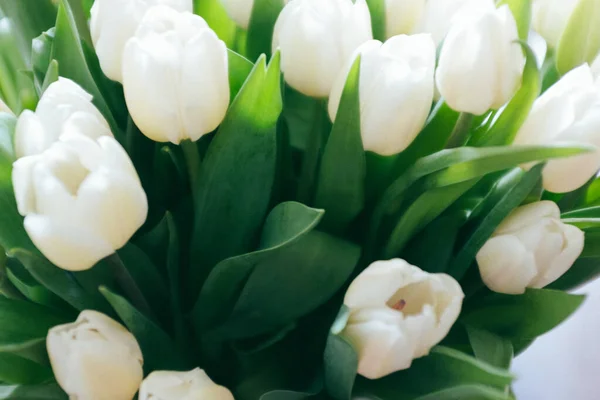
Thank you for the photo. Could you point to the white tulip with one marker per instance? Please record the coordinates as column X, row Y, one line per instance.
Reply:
column 398, row 313
column 530, row 249
column 239, row 11
column 438, row 16
column 64, row 107
column 190, row 385
column 175, row 76
column 81, row 199
column 396, row 91
column 114, row 22
column 402, row 16
column 567, row 112
column 95, row 358
column 480, row 65
column 316, row 39
column 550, row 18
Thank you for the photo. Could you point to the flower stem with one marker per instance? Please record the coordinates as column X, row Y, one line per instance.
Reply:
column 128, row 285
column 192, row 160
column 461, row 131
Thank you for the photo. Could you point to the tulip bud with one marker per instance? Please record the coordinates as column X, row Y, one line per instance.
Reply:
column 114, row 22
column 396, row 91
column 530, row 249
column 170, row 385
column 438, row 15
column 402, row 16
column 316, row 39
column 175, row 76
column 81, row 199
column 95, row 358
column 239, row 11
column 569, row 111
column 481, row 64
column 398, row 313
column 550, row 18
column 64, row 107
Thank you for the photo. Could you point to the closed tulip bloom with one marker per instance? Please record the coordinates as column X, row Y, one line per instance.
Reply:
column 438, row 15
column 175, row 76
column 398, row 313
column 95, row 358
column 190, row 385
column 316, row 39
column 530, row 249
column 550, row 18
column 114, row 22
column 64, row 107
column 239, row 11
column 402, row 16
column 81, row 199
column 567, row 112
column 480, row 65
column 396, row 91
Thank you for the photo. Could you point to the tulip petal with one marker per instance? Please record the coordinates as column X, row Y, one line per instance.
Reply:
column 22, row 178
column 69, row 247
column 505, row 265
column 30, row 135
column 527, row 215
column 113, row 205
column 571, row 250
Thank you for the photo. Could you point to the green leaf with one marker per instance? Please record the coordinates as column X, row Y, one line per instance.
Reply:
column 285, row 225
column 423, row 211
column 491, row 348
column 580, row 41
column 58, row 281
column 239, row 69
column 521, row 10
column 588, row 212
column 510, row 200
column 260, row 30
column 158, row 348
column 441, row 370
column 30, row 287
column 32, row 17
column 468, row 392
column 239, row 164
column 41, row 56
column 291, row 283
column 432, row 138
column 147, row 277
column 69, row 53
column 33, row 392
column 341, row 182
column 524, row 317
column 19, row 332
column 512, row 117
column 377, row 10
column 287, row 395
column 51, row 75
column 341, row 366
column 18, row 370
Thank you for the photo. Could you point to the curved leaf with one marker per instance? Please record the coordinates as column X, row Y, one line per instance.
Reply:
column 341, row 183
column 285, row 225
column 260, row 29
column 33, row 392
column 18, row 370
column 341, row 366
column 580, row 40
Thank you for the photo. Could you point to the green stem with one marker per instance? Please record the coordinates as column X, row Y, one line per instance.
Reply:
column 312, row 156
column 461, row 131
column 128, row 285
column 192, row 160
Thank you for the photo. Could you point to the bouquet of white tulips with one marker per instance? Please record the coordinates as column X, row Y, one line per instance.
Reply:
column 291, row 199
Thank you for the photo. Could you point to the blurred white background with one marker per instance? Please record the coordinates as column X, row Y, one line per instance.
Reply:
column 564, row 364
